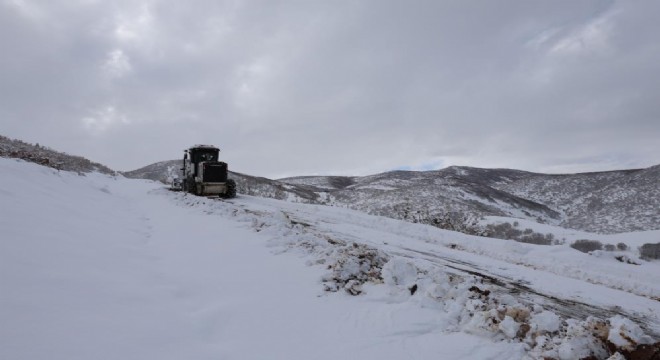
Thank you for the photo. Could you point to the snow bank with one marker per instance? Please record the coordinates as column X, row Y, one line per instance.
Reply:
column 625, row 334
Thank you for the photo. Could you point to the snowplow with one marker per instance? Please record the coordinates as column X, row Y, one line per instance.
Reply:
column 204, row 175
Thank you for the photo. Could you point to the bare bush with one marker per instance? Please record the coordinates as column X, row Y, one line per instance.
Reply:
column 610, row 247
column 621, row 246
column 507, row 231
column 467, row 223
column 586, row 246
column 536, row 239
column 650, row 251
column 504, row 231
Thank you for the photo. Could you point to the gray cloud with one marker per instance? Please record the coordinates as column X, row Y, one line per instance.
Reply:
column 342, row 87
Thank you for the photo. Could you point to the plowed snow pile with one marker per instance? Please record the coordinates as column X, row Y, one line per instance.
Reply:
column 96, row 267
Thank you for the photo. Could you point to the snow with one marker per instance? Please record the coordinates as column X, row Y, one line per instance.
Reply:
column 106, row 267
column 399, row 272
column 545, row 321
column 626, row 334
column 509, row 327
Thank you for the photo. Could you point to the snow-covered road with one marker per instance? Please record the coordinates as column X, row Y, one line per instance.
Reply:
column 94, row 267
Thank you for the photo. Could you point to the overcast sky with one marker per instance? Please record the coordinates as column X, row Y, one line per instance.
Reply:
column 336, row 87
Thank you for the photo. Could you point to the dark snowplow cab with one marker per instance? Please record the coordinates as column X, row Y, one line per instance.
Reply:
column 204, row 175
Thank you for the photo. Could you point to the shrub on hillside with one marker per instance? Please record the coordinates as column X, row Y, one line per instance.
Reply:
column 586, row 246
column 650, row 251
column 504, row 231
column 507, row 231
column 537, row 239
column 467, row 223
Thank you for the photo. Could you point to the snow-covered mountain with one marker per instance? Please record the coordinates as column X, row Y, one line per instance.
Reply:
column 105, row 267
column 607, row 202
column 427, row 197
column 614, row 201
column 603, row 202
column 160, row 171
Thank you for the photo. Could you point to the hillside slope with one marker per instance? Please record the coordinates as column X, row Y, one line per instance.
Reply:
column 615, row 201
column 122, row 268
column 10, row 148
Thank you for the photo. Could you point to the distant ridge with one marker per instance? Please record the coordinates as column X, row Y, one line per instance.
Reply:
column 602, row 202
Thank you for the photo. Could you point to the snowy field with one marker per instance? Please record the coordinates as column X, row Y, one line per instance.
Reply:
column 96, row 267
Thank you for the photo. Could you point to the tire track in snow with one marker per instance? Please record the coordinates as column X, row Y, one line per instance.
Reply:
column 568, row 308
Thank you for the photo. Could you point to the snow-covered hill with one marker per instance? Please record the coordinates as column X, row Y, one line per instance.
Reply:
column 606, row 202
column 614, row 201
column 107, row 267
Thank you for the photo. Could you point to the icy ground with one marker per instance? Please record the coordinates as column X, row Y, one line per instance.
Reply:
column 95, row 267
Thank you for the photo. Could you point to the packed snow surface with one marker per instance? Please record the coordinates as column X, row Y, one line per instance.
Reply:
column 100, row 267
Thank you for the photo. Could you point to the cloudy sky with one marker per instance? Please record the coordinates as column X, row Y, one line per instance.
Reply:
column 346, row 87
